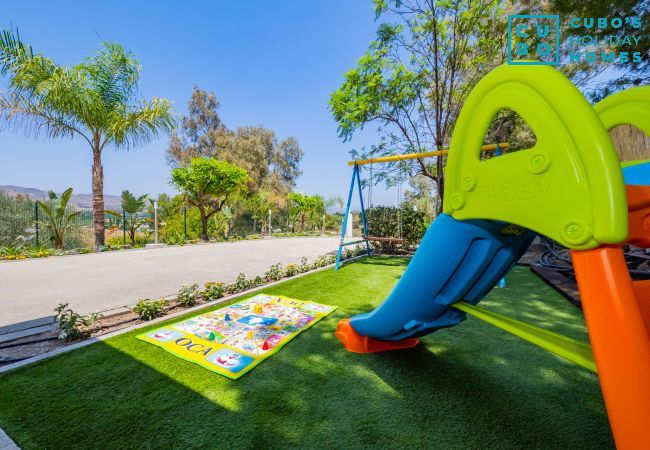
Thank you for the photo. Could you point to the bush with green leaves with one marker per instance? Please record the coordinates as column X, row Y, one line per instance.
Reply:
column 304, row 265
column 321, row 261
column 291, row 270
column 188, row 295
column 174, row 238
column 241, row 284
column 72, row 325
column 274, row 273
column 257, row 281
column 148, row 309
column 385, row 221
column 12, row 252
column 40, row 251
column 213, row 291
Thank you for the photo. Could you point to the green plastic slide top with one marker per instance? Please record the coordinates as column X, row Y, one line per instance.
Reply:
column 568, row 187
column 628, row 107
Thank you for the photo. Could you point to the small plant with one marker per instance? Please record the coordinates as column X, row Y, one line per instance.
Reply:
column 58, row 218
column 304, row 265
column 257, row 281
column 150, row 309
column 213, row 291
column 274, row 273
column 40, row 251
column 319, row 262
column 176, row 238
column 291, row 270
column 241, row 284
column 12, row 252
column 73, row 325
column 188, row 295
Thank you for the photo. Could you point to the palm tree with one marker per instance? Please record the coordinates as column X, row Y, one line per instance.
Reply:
column 94, row 100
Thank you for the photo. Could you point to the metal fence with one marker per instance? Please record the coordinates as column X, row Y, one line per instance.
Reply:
column 23, row 223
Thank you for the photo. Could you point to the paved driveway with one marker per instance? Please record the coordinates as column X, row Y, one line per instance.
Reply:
column 30, row 289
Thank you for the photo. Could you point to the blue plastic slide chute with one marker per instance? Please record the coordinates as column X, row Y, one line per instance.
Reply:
column 456, row 260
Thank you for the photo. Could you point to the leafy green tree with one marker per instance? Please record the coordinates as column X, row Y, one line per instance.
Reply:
column 309, row 208
column 416, row 75
column 207, row 184
column 133, row 207
column 299, row 207
column 259, row 204
column 58, row 220
column 95, row 100
column 273, row 165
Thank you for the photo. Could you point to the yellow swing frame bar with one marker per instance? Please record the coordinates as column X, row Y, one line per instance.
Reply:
column 392, row 158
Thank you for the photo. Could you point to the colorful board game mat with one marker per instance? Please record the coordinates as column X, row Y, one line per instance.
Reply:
column 233, row 340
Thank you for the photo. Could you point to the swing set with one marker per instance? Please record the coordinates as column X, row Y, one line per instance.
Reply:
column 498, row 148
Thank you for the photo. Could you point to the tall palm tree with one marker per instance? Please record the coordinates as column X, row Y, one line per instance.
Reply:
column 95, row 100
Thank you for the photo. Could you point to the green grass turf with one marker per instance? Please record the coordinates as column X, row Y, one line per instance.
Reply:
column 471, row 386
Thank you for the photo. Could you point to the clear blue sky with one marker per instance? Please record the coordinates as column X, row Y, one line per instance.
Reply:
column 272, row 63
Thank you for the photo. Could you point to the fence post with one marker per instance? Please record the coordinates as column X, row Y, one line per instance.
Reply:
column 185, row 222
column 36, row 227
column 155, row 222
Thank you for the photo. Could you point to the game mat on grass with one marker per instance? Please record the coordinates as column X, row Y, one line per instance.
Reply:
column 234, row 339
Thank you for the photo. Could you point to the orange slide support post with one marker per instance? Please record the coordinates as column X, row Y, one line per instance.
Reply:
column 617, row 311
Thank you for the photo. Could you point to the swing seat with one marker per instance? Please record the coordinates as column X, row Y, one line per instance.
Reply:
column 384, row 239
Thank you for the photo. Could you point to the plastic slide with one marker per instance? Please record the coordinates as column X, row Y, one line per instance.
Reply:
column 456, row 260
column 569, row 187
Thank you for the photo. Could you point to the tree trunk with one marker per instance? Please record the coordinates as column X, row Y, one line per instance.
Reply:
column 98, row 196
column 132, row 230
column 204, row 225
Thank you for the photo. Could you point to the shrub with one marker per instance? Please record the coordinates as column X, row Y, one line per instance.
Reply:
column 304, row 265
column 188, row 295
column 274, row 273
column 291, row 270
column 72, row 325
column 150, row 309
column 241, row 284
column 40, row 251
column 12, row 252
column 258, row 281
column 213, row 291
column 319, row 262
column 384, row 221
column 175, row 238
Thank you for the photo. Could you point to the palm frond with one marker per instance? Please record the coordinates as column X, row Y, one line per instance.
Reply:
column 12, row 51
column 132, row 127
column 114, row 74
column 37, row 119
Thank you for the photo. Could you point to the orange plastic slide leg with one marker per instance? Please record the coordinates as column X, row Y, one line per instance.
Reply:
column 356, row 343
column 620, row 339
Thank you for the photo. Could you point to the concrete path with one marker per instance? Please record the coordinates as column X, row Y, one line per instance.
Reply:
column 30, row 289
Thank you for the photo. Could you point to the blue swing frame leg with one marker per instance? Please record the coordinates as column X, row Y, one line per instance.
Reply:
column 342, row 243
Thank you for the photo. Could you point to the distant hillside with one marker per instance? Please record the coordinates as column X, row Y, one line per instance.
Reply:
column 79, row 200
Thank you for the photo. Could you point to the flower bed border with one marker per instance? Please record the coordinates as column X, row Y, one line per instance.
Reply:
column 224, row 299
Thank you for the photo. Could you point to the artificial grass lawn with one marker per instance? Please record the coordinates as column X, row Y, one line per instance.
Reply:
column 471, row 386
